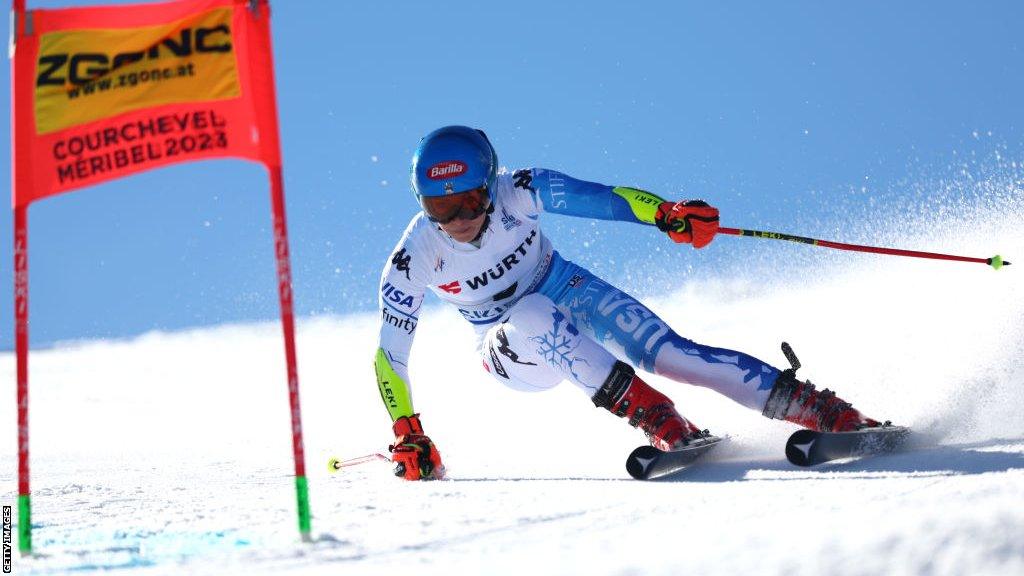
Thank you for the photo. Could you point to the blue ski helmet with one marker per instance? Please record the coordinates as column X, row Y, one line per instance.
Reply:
column 453, row 159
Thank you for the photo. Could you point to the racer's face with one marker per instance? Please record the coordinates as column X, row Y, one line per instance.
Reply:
column 464, row 230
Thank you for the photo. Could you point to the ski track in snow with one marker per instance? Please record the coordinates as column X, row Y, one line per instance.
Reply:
column 170, row 453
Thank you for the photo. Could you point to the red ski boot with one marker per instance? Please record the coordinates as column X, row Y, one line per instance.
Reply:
column 626, row 395
column 798, row 402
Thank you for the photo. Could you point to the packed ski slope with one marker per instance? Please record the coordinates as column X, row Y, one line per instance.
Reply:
column 170, row 453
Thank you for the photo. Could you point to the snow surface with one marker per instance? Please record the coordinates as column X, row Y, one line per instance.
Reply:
column 170, row 453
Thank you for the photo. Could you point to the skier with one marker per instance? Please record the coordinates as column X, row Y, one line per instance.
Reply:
column 541, row 319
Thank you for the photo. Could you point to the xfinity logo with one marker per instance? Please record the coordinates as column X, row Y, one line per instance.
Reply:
column 447, row 169
column 408, row 324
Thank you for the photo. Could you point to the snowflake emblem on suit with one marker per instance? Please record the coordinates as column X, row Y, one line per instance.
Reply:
column 557, row 346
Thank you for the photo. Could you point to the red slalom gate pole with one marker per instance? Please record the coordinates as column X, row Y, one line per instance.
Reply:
column 21, row 344
column 284, row 285
column 996, row 262
column 18, row 31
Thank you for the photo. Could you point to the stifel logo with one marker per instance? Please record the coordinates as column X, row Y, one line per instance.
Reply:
column 447, row 169
column 451, row 287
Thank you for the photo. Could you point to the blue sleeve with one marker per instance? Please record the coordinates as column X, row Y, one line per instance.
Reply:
column 559, row 193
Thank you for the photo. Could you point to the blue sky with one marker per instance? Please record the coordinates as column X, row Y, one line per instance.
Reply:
column 800, row 116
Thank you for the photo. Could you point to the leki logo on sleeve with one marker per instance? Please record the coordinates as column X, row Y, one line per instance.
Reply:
column 86, row 75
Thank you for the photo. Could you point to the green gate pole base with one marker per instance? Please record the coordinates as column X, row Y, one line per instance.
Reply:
column 25, row 524
column 302, row 496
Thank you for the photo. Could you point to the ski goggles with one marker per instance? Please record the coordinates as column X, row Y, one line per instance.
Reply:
column 462, row 206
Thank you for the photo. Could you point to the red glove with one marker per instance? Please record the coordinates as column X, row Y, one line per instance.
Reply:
column 692, row 221
column 413, row 453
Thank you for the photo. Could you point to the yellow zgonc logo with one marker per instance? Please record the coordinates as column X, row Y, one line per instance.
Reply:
column 88, row 75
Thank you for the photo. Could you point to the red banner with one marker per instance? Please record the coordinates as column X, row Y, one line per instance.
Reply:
column 107, row 91
column 104, row 92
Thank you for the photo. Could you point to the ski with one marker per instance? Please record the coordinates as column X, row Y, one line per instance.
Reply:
column 808, row 448
column 649, row 463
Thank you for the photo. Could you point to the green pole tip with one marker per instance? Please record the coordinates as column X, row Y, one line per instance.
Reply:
column 996, row 262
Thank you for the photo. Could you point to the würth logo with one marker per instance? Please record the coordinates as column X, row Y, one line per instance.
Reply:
column 451, row 287
column 447, row 169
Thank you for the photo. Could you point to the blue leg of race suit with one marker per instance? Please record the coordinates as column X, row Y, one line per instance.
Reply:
column 637, row 335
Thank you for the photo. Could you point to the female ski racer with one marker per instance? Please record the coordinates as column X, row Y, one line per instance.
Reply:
column 541, row 319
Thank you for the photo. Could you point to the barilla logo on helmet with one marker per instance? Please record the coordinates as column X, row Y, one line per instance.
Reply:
column 447, row 169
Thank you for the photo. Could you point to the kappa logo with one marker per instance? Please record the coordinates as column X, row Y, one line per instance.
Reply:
column 447, row 169
column 439, row 264
column 401, row 262
column 523, row 179
column 451, row 287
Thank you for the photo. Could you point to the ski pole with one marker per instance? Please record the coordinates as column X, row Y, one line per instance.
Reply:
column 335, row 465
column 996, row 262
